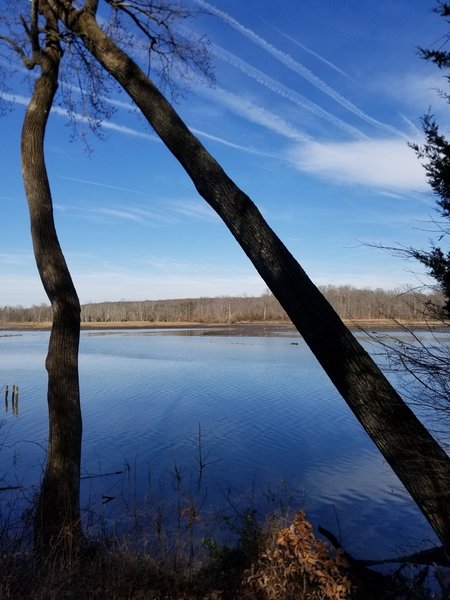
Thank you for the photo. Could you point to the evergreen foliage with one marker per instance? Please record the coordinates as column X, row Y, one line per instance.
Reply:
column 435, row 153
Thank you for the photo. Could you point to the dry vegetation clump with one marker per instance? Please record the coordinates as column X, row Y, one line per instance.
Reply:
column 294, row 564
column 272, row 562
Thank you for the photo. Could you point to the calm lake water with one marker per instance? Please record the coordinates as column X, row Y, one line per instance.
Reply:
column 271, row 425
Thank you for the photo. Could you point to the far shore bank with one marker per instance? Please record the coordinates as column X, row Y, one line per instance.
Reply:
column 355, row 325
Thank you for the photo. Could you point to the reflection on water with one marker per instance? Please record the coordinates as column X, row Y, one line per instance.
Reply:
column 14, row 399
column 243, row 329
column 269, row 418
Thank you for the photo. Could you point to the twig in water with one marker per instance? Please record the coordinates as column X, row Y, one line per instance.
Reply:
column 101, row 475
column 10, row 487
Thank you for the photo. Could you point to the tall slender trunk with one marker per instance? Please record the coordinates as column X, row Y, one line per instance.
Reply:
column 416, row 458
column 57, row 521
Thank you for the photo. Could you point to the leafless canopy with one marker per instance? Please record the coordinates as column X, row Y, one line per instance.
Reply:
column 159, row 34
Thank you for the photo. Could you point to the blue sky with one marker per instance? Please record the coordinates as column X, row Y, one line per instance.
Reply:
column 313, row 106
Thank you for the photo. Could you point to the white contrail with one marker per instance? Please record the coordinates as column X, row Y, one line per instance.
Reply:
column 247, row 149
column 106, row 124
column 295, row 66
column 254, row 113
column 415, row 130
column 24, row 101
column 274, row 86
column 245, row 108
column 199, row 132
column 105, row 185
column 284, row 91
column 315, row 54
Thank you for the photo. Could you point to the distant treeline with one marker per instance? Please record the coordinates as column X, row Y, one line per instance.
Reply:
column 349, row 303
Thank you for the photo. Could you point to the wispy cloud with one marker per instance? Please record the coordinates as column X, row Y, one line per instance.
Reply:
column 296, row 67
column 360, row 277
column 388, row 164
column 416, row 91
column 95, row 286
column 135, row 214
column 119, row 214
column 8, row 198
column 19, row 287
column 12, row 259
column 153, row 215
column 196, row 210
column 171, row 212
column 284, row 91
column 165, row 265
column 254, row 113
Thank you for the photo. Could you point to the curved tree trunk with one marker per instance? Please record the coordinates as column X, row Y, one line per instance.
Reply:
column 57, row 521
column 416, row 458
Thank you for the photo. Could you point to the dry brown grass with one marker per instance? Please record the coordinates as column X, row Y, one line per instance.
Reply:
column 276, row 562
column 266, row 564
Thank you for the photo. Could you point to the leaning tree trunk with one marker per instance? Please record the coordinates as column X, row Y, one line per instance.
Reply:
column 57, row 521
column 416, row 458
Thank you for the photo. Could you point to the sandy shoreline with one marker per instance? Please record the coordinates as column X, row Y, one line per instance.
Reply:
column 368, row 324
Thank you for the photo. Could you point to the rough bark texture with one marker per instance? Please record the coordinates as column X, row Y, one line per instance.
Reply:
column 419, row 462
column 57, row 522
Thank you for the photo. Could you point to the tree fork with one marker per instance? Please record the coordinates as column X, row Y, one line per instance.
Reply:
column 417, row 459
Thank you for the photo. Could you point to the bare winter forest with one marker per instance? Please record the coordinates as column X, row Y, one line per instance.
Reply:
column 348, row 302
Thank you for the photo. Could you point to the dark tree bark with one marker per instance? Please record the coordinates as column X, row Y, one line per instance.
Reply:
column 57, row 521
column 416, row 458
